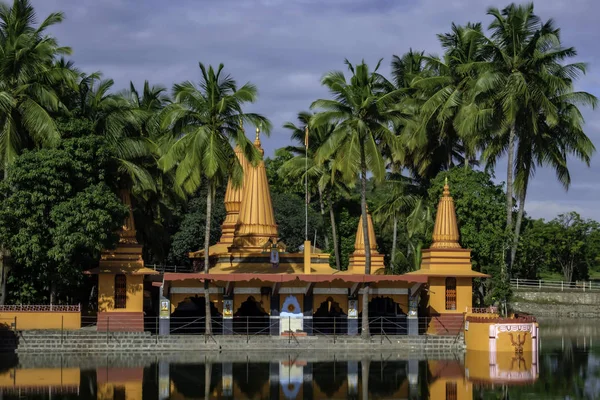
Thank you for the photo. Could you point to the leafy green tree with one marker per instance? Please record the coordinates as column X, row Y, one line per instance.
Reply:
column 57, row 215
column 361, row 112
column 189, row 236
column 289, row 215
column 28, row 73
column 569, row 245
column 203, row 120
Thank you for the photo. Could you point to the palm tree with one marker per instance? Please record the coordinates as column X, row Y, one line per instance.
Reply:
column 522, row 82
column 203, row 120
column 321, row 177
column 28, row 73
column 395, row 203
column 362, row 111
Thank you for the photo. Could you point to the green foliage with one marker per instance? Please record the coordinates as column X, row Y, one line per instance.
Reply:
column 57, row 215
column 190, row 236
column 567, row 245
column 289, row 216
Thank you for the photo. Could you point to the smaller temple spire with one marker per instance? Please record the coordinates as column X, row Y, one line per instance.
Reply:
column 445, row 231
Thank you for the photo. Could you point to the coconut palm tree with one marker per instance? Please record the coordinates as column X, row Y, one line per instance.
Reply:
column 396, row 202
column 362, row 111
column 203, row 120
column 523, row 82
column 28, row 73
column 321, row 177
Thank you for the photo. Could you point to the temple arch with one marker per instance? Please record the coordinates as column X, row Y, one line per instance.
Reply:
column 250, row 317
column 386, row 316
column 329, row 317
column 188, row 317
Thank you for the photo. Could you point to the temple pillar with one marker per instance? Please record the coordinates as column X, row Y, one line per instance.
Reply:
column 308, row 313
column 274, row 380
column 275, row 322
column 413, row 314
column 227, row 379
column 164, row 320
column 228, row 314
column 352, row 378
column 307, row 381
column 352, row 317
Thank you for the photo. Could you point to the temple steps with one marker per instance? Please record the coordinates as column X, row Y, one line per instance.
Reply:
column 446, row 324
column 96, row 342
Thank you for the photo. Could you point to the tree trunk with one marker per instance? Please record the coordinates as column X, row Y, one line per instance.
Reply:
column 363, row 209
column 513, row 251
column 394, row 238
column 322, row 204
column 509, row 188
column 336, row 246
column 208, row 322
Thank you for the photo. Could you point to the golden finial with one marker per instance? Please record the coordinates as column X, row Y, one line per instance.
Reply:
column 241, row 124
column 257, row 138
column 446, row 191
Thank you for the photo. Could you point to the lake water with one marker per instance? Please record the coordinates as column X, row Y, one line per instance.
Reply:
column 567, row 367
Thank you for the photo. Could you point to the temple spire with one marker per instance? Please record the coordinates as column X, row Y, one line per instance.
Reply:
column 256, row 223
column 445, row 231
column 233, row 200
column 359, row 241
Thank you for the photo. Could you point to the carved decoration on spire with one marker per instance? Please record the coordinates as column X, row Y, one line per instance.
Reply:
column 445, row 231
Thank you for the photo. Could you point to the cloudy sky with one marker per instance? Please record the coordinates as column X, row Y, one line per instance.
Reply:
column 285, row 46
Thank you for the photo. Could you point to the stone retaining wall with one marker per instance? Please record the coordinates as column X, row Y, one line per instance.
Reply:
column 92, row 342
column 557, row 304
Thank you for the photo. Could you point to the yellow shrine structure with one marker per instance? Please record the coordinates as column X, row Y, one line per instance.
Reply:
column 301, row 293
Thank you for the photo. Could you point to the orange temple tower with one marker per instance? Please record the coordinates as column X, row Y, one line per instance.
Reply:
column 448, row 269
column 357, row 259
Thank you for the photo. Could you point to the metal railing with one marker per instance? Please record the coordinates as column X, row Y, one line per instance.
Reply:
column 41, row 308
column 550, row 285
column 170, row 268
column 249, row 327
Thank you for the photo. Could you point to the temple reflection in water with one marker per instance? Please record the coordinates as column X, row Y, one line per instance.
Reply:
column 385, row 376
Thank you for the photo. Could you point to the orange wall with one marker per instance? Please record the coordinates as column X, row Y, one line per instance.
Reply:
column 477, row 337
column 43, row 377
column 31, row 320
column 437, row 295
column 106, row 293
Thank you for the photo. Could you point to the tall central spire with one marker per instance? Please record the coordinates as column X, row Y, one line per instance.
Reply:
column 256, row 223
column 445, row 231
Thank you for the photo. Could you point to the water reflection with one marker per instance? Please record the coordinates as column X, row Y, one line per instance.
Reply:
column 566, row 367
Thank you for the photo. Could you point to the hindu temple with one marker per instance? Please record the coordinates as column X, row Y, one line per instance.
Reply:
column 297, row 293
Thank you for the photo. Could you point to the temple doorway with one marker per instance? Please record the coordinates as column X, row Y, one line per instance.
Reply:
column 329, row 318
column 385, row 317
column 188, row 317
column 250, row 318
